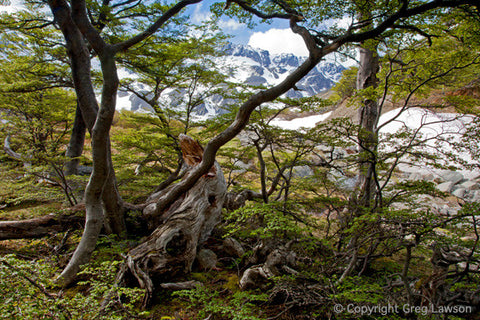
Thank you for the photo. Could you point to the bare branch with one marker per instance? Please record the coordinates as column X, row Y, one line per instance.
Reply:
column 416, row 30
column 122, row 46
column 245, row 6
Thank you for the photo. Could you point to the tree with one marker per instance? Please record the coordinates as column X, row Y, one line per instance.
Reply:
column 173, row 79
column 76, row 26
column 35, row 76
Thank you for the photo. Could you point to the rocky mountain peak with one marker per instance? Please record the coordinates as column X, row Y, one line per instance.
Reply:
column 255, row 67
column 262, row 57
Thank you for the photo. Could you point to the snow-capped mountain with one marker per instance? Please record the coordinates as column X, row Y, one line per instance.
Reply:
column 258, row 67
column 246, row 65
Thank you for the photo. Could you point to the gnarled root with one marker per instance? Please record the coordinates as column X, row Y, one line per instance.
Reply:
column 171, row 249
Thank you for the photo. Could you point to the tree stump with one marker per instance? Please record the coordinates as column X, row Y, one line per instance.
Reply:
column 171, row 249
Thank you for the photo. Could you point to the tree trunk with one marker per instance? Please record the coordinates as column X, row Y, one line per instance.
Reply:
column 171, row 248
column 75, row 145
column 98, row 120
column 263, row 170
column 15, row 155
column 368, row 118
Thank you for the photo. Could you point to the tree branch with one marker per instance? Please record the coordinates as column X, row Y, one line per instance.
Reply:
column 245, row 6
column 402, row 12
column 122, row 46
column 79, row 15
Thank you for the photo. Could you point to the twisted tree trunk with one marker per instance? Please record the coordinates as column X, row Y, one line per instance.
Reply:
column 171, row 249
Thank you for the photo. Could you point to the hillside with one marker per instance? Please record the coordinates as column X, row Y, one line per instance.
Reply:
column 151, row 170
column 247, row 66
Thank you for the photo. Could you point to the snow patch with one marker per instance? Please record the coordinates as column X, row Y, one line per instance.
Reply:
column 298, row 123
column 438, row 130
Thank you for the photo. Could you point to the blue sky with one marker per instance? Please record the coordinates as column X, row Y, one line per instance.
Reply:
column 275, row 37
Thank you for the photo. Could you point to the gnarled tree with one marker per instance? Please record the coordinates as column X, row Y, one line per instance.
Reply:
column 81, row 34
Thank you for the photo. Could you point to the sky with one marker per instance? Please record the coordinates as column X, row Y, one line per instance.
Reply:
column 275, row 37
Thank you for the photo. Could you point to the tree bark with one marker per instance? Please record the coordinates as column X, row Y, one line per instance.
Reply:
column 368, row 119
column 99, row 122
column 263, row 171
column 75, row 145
column 171, row 249
column 39, row 227
column 15, row 155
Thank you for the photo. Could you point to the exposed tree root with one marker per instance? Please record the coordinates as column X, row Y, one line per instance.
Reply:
column 171, row 249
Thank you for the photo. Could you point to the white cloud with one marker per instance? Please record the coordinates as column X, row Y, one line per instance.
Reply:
column 279, row 41
column 10, row 6
column 231, row 25
column 199, row 16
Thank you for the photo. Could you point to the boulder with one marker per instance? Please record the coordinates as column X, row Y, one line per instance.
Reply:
column 460, row 192
column 207, row 259
column 472, row 176
column 476, row 196
column 414, row 176
column 84, row 170
column 470, row 185
column 446, row 186
column 242, row 165
column 452, row 176
column 233, row 248
column 302, row 171
column 428, row 176
column 253, row 277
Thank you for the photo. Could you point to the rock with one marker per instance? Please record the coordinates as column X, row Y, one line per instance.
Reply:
column 414, row 176
column 469, row 238
column 339, row 153
column 84, row 170
column 317, row 160
column 452, row 176
column 446, row 186
column 343, row 182
column 302, row 171
column 428, row 176
column 323, row 148
column 233, row 248
column 472, row 267
column 460, row 192
column 476, row 196
column 207, row 259
column 242, row 165
column 446, row 210
column 470, row 185
column 472, row 176
column 253, row 277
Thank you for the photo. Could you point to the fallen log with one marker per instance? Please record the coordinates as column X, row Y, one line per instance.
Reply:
column 39, row 227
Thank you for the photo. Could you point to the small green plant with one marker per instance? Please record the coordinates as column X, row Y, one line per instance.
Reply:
column 264, row 220
column 242, row 305
column 28, row 292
